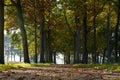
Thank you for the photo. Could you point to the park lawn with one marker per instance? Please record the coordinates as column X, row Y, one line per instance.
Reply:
column 115, row 67
column 21, row 65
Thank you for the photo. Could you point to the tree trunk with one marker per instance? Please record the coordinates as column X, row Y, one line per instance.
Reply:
column 42, row 24
column 68, row 58
column 77, row 40
column 118, row 24
column 94, row 24
column 116, row 33
column 46, row 54
column 1, row 31
column 108, row 36
column 23, row 31
column 36, row 55
column 85, row 54
column 49, row 47
column 54, row 57
column 103, row 61
column 42, row 60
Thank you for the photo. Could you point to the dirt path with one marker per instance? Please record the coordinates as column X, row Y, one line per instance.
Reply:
column 58, row 73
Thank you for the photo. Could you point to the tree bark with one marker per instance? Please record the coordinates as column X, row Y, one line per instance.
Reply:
column 108, row 36
column 54, row 57
column 23, row 31
column 35, row 25
column 42, row 25
column 77, row 40
column 94, row 24
column 116, row 33
column 42, row 60
column 85, row 54
column 1, row 31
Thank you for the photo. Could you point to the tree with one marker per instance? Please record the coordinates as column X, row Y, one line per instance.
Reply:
column 2, row 32
column 108, row 34
column 94, row 24
column 36, row 57
column 22, row 29
column 42, row 24
column 85, row 54
column 116, row 32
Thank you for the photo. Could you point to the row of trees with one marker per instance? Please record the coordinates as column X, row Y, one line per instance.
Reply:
column 82, row 30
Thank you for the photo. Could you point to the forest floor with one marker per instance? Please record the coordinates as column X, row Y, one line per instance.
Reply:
column 58, row 72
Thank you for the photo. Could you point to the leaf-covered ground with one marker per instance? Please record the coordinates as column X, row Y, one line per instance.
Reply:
column 58, row 72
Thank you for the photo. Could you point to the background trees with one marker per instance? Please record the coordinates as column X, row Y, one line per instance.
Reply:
column 84, row 31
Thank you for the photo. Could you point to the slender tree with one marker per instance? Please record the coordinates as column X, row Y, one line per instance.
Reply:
column 116, row 32
column 94, row 24
column 35, row 25
column 108, row 35
column 22, row 29
column 42, row 24
column 85, row 54
column 1, row 31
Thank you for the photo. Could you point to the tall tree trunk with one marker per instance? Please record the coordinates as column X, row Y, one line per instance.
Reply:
column 77, row 40
column 85, row 54
column 75, row 61
column 116, row 33
column 36, row 55
column 23, row 31
column 42, row 60
column 118, row 24
column 42, row 22
column 49, row 51
column 49, row 46
column 94, row 24
column 1, row 31
column 108, row 36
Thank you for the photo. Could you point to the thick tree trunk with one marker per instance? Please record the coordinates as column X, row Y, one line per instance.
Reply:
column 85, row 54
column 77, row 40
column 23, row 31
column 42, row 24
column 42, row 60
column 1, row 31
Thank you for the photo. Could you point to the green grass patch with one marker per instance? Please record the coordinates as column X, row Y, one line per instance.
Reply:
column 100, row 66
column 4, row 66
column 21, row 65
column 40, row 64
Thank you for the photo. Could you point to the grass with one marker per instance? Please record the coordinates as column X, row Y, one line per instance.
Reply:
column 95, row 66
column 100, row 66
column 21, row 65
